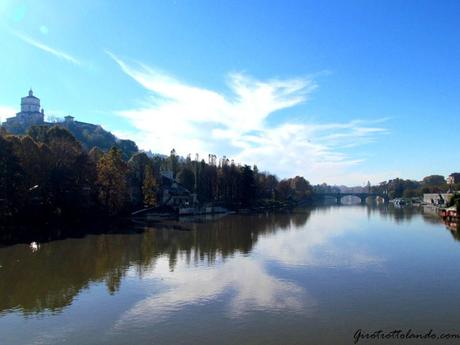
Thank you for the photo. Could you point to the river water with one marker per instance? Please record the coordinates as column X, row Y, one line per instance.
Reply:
column 309, row 277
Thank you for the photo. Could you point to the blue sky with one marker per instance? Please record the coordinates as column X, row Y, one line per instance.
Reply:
column 336, row 91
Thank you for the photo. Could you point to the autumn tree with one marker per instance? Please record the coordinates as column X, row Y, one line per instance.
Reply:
column 137, row 168
column 67, row 162
column 38, row 133
column 95, row 154
column 32, row 161
column 266, row 185
column 150, row 187
column 12, row 188
column 284, row 190
column 434, row 180
column 112, row 181
column 301, row 188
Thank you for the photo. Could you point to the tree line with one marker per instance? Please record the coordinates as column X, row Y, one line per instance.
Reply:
column 49, row 174
column 406, row 188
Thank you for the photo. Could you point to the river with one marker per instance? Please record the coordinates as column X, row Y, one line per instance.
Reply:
column 314, row 276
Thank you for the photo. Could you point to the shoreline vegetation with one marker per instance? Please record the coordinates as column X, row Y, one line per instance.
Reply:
column 47, row 174
column 49, row 177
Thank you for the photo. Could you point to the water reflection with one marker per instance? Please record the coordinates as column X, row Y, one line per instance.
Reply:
column 319, row 243
column 50, row 277
column 211, row 258
column 399, row 214
column 454, row 228
column 247, row 282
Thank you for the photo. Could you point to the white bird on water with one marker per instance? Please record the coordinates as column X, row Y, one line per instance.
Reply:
column 34, row 246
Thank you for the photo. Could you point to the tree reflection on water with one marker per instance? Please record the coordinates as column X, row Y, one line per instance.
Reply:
column 47, row 280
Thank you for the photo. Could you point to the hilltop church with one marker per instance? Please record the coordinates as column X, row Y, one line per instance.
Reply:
column 30, row 115
column 90, row 135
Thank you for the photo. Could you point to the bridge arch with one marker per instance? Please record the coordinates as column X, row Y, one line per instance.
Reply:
column 353, row 196
column 363, row 197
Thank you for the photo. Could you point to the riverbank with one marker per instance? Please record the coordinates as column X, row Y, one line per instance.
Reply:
column 39, row 229
column 449, row 216
column 209, row 209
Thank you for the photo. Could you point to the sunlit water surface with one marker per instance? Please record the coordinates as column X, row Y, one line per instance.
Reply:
column 309, row 277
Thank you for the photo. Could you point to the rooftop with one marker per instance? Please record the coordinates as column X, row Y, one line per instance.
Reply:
column 31, row 95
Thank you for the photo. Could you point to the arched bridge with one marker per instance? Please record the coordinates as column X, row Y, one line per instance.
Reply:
column 362, row 196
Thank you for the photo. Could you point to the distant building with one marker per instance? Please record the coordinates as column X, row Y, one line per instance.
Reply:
column 438, row 199
column 89, row 135
column 453, row 178
column 175, row 194
column 30, row 115
column 69, row 118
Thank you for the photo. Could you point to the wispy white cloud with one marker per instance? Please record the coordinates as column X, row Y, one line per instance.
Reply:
column 40, row 45
column 194, row 119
